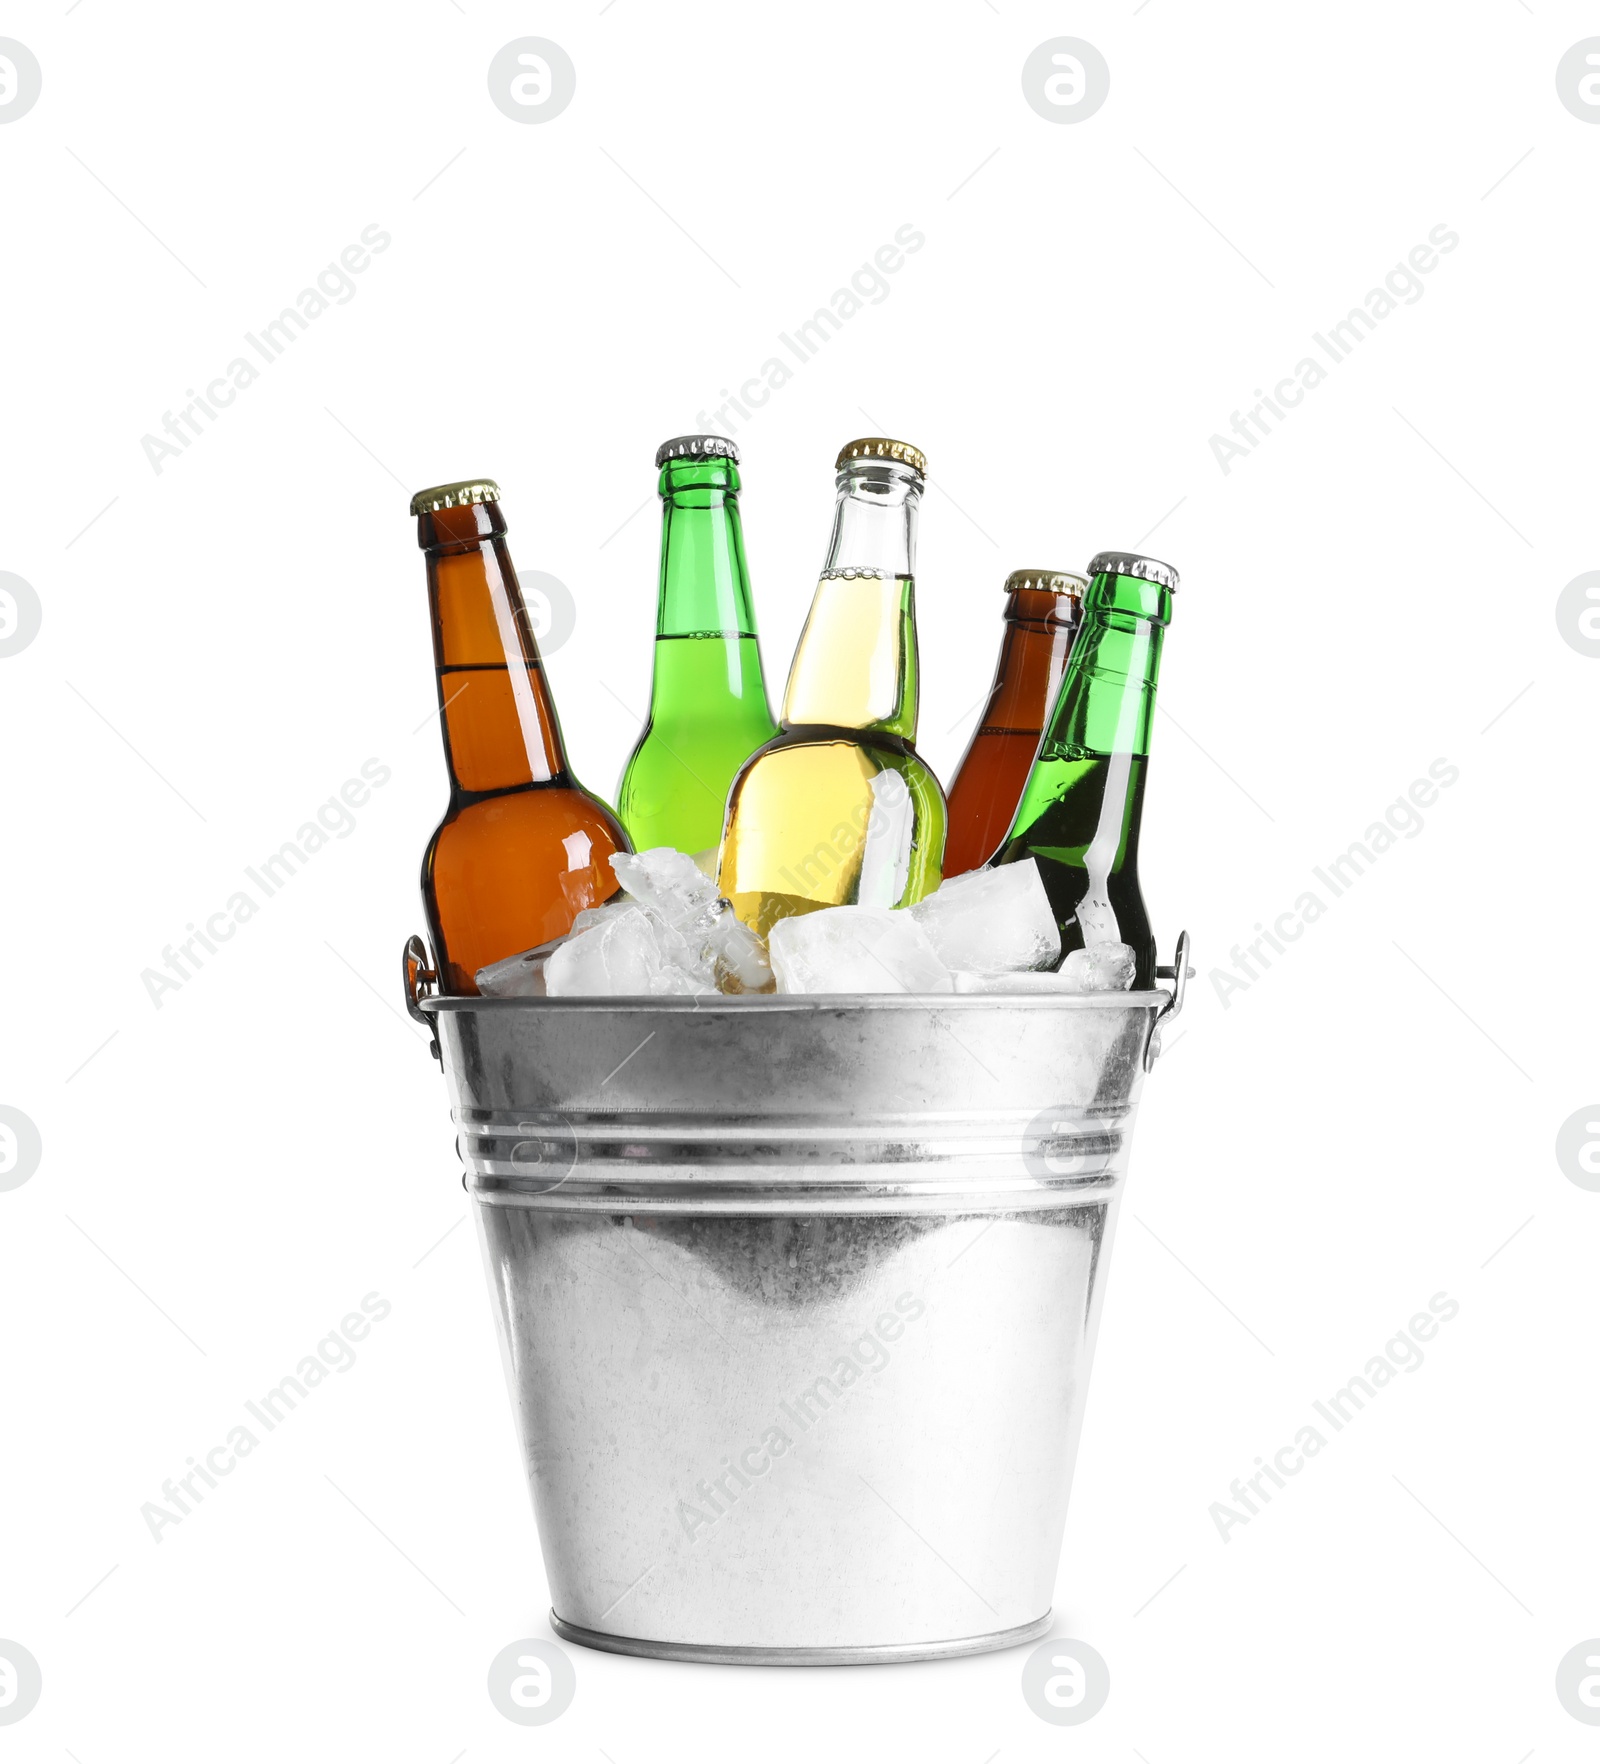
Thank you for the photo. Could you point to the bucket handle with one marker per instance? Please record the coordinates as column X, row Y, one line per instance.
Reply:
column 1180, row 974
column 420, row 982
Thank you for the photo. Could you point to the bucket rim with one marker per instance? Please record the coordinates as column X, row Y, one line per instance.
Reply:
column 773, row 1004
column 427, row 1007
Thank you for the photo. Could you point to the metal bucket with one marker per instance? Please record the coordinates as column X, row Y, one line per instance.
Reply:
column 797, row 1298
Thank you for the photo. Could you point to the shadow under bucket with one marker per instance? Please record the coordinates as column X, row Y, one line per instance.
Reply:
column 798, row 1298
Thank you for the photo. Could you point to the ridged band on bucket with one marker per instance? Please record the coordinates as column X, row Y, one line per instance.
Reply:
column 727, row 1106
column 1130, row 563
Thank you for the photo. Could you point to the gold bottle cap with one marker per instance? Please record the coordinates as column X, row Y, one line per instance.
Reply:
column 1051, row 581
column 461, row 495
column 1130, row 563
column 876, row 447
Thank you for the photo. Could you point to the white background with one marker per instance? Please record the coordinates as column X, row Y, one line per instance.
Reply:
column 226, row 641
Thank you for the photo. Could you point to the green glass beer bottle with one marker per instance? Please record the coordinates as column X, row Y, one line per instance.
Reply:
column 708, row 697
column 1080, row 808
column 839, row 808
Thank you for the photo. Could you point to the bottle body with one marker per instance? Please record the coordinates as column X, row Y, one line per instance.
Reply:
column 839, row 808
column 1081, row 806
column 708, row 696
column 512, row 870
column 1042, row 615
column 833, row 813
column 522, row 847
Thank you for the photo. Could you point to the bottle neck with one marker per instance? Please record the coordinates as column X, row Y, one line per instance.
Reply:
column 875, row 520
column 856, row 664
column 705, row 583
column 499, row 722
column 1108, row 693
column 1043, row 610
column 707, row 665
column 1039, row 630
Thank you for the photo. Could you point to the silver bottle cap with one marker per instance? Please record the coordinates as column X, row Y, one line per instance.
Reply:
column 1129, row 563
column 1050, row 581
column 696, row 447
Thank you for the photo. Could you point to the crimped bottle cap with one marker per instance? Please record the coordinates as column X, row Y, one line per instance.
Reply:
column 876, row 447
column 697, row 447
column 461, row 495
column 1051, row 581
column 1129, row 563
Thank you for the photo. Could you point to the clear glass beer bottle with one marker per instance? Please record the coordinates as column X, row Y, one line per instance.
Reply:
column 839, row 807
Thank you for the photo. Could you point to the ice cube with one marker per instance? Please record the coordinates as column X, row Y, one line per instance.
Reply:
column 855, row 949
column 1017, row 983
column 1107, row 967
column 712, row 946
column 739, row 958
column 622, row 956
column 518, row 976
column 1026, row 982
column 1102, row 967
column 668, row 882
column 589, row 917
column 992, row 921
column 522, row 975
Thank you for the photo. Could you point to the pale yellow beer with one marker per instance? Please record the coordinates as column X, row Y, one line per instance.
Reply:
column 839, row 808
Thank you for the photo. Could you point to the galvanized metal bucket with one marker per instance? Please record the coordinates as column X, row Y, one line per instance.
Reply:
column 798, row 1298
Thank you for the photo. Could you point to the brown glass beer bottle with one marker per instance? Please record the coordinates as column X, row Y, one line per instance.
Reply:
column 1043, row 610
column 523, row 847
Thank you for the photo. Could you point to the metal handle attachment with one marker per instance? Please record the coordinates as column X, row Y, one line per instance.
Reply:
column 419, row 982
column 1180, row 974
